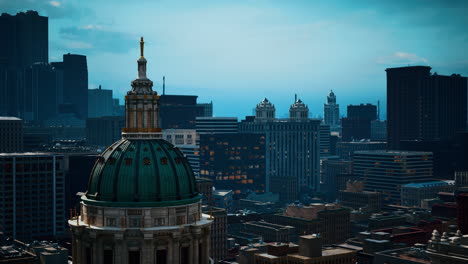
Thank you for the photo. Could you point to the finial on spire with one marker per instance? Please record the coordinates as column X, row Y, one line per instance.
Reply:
column 142, row 47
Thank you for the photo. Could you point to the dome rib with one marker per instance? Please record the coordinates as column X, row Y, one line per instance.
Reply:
column 177, row 184
column 156, row 170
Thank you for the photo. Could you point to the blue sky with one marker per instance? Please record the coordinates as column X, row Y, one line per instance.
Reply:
column 234, row 53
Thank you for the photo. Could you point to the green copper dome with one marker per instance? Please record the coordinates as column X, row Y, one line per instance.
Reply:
column 141, row 173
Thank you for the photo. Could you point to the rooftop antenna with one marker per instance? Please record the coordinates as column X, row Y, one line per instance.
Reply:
column 295, row 97
column 164, row 85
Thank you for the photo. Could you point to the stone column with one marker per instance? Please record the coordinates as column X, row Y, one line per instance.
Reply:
column 148, row 249
column 206, row 248
column 170, row 252
column 119, row 249
column 176, row 250
column 196, row 244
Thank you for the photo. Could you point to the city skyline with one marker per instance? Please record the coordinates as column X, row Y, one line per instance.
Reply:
column 295, row 47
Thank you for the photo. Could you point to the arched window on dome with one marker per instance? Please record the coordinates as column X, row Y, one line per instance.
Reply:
column 146, row 161
column 164, row 161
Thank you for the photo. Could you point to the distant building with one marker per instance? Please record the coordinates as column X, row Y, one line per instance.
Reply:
column 205, row 188
column 206, row 109
column 387, row 171
column 234, row 161
column 345, row 150
column 424, row 106
column 42, row 86
column 270, row 232
column 325, row 149
column 32, row 209
column 331, row 112
column 218, row 232
column 332, row 170
column 378, row 130
column 75, row 82
column 103, row 131
column 412, row 194
column 449, row 155
column 216, row 125
column 187, row 141
column 299, row 111
column 180, row 111
column 11, row 131
column 330, row 220
column 357, row 125
column 462, row 212
column 355, row 197
column 100, row 103
column 310, row 250
column 286, row 187
column 292, row 146
column 222, row 199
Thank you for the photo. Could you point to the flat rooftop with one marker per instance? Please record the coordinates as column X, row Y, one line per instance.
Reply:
column 9, row 118
column 392, row 153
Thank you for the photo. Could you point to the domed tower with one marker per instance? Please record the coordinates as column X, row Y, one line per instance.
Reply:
column 142, row 204
column 331, row 98
column 299, row 111
column 265, row 111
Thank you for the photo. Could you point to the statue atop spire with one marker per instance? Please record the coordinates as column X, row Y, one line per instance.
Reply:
column 142, row 85
column 142, row 47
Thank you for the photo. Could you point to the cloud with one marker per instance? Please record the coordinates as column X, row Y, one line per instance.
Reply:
column 54, row 3
column 402, row 58
column 97, row 38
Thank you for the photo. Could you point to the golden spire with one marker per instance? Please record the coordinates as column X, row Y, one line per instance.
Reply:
column 142, row 46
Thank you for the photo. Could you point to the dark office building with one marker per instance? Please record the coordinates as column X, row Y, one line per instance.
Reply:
column 449, row 155
column 77, row 169
column 24, row 42
column 75, row 82
column 357, row 125
column 25, row 39
column 32, row 196
column 11, row 134
column 42, row 87
column 332, row 172
column 362, row 111
column 424, row 106
column 234, row 161
column 180, row 111
column 100, row 102
column 103, row 131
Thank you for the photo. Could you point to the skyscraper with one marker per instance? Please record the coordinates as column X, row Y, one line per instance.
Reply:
column 24, row 42
column 424, row 106
column 142, row 204
column 25, row 39
column 100, row 102
column 357, row 125
column 75, row 82
column 332, row 111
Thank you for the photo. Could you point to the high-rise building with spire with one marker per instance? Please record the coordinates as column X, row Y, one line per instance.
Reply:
column 142, row 204
column 332, row 112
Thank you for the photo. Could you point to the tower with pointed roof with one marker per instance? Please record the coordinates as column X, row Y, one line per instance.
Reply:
column 331, row 111
column 142, row 204
column 265, row 111
column 299, row 111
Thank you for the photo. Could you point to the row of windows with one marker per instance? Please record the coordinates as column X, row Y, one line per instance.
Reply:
column 136, row 222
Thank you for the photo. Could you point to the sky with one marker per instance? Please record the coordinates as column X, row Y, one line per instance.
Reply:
column 236, row 52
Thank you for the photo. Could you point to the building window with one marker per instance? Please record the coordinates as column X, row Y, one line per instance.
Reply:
column 159, row 221
column 111, row 221
column 146, row 161
column 134, row 212
column 164, row 161
column 181, row 220
column 134, row 222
